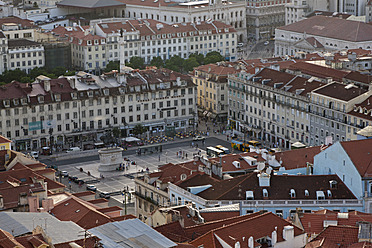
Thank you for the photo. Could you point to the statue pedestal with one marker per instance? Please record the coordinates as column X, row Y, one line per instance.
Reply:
column 110, row 158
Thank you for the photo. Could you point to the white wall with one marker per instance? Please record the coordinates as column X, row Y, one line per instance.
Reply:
column 334, row 160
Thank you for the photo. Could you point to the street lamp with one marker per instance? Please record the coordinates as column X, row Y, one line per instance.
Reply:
column 126, row 193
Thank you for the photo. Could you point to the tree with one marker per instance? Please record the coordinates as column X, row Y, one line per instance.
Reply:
column 213, row 57
column 157, row 61
column 9, row 76
column 137, row 62
column 116, row 132
column 189, row 64
column 139, row 129
column 112, row 65
column 199, row 57
column 175, row 63
column 58, row 71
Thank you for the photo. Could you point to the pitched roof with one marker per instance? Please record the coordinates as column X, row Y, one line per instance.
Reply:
column 177, row 233
column 318, row 70
column 360, row 154
column 90, row 4
column 335, row 236
column 280, row 186
column 22, row 43
column 332, row 28
column 24, row 23
column 340, row 91
column 81, row 212
column 313, row 223
column 257, row 227
column 4, row 140
column 297, row 158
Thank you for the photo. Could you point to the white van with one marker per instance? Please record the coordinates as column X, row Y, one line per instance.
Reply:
column 73, row 149
column 34, row 154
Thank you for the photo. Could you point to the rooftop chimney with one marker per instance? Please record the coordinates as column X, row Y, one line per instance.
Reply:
column 288, row 233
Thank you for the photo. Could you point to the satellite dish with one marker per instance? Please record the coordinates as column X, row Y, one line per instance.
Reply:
column 260, row 166
column 269, row 170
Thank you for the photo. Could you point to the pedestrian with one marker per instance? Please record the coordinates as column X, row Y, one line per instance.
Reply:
column 159, row 157
column 186, row 155
column 177, row 154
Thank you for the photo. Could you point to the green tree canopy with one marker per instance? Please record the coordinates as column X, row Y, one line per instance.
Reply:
column 139, row 129
column 157, row 61
column 199, row 57
column 112, row 65
column 137, row 62
column 189, row 64
column 175, row 63
column 213, row 57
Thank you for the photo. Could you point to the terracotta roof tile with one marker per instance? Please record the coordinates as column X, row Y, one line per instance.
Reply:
column 360, row 154
column 4, row 140
column 332, row 28
column 336, row 236
column 258, row 227
column 280, row 186
column 339, row 91
column 318, row 71
column 313, row 222
column 80, row 212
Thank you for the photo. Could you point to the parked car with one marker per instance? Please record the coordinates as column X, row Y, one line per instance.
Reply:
column 240, row 44
column 91, row 187
column 34, row 154
column 73, row 149
column 64, row 173
column 105, row 195
column 196, row 138
column 266, row 43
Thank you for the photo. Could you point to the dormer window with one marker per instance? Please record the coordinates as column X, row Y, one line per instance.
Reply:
column 40, row 99
column 249, row 195
column 103, row 41
column 23, row 101
column 329, row 194
column 320, row 195
column 89, row 42
column 15, row 102
column 96, row 42
column 292, row 193
column 106, row 92
column 306, row 192
column 6, row 103
column 74, row 95
column 265, row 193
column 90, row 93
column 80, row 42
column 57, row 97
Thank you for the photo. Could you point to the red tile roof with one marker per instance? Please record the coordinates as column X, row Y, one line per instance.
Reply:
column 280, row 186
column 313, row 222
column 318, row 71
column 335, row 236
column 81, row 212
column 23, row 23
column 360, row 154
column 258, row 227
column 4, row 140
column 8, row 241
column 32, row 241
column 340, row 91
column 298, row 158
column 332, row 28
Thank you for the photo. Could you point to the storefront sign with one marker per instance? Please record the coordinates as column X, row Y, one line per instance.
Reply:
column 36, row 125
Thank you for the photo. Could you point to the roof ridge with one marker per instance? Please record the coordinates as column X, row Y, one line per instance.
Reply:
column 244, row 178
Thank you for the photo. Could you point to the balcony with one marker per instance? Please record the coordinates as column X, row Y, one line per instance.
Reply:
column 146, row 198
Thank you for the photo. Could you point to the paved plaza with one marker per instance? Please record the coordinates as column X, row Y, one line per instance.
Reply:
column 116, row 181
